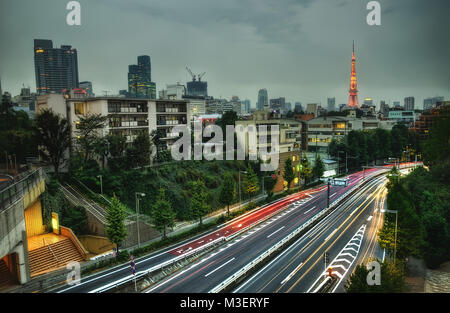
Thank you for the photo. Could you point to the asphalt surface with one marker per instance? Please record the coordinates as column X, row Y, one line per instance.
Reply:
column 99, row 281
column 297, row 268
column 218, row 266
column 288, row 214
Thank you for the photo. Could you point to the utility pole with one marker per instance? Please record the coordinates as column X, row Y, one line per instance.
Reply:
column 137, row 215
column 101, row 184
column 328, row 193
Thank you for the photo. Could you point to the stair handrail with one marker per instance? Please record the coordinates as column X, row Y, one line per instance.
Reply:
column 51, row 250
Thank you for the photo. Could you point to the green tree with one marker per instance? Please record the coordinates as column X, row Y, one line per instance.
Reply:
column 288, row 174
column 101, row 149
column 87, row 132
column 53, row 133
column 436, row 149
column 392, row 279
column 116, row 230
column 199, row 205
column 117, row 144
column 228, row 191
column 250, row 183
column 318, row 168
column 163, row 215
column 305, row 169
column 141, row 147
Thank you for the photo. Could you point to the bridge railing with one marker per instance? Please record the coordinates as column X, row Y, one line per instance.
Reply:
column 16, row 191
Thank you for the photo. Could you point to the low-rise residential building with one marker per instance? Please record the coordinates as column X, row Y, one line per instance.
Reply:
column 322, row 130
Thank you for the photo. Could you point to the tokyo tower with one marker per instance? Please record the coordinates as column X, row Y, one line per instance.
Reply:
column 353, row 98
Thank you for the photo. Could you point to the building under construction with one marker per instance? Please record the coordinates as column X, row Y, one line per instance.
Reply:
column 197, row 87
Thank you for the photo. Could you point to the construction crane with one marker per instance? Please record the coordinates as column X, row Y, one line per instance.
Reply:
column 190, row 72
column 200, row 76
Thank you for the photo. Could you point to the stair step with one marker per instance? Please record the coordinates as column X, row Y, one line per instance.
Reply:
column 42, row 259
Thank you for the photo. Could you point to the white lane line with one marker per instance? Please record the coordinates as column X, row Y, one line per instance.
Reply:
column 275, row 231
column 310, row 209
column 370, row 217
column 331, row 234
column 291, row 274
column 219, row 267
column 333, row 194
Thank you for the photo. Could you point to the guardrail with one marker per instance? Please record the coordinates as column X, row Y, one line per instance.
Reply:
column 237, row 275
column 155, row 268
column 12, row 193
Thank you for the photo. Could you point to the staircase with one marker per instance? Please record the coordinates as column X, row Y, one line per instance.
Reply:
column 6, row 279
column 45, row 259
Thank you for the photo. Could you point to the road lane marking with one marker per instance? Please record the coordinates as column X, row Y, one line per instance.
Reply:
column 291, row 274
column 333, row 194
column 219, row 267
column 275, row 231
column 332, row 233
column 370, row 217
column 310, row 209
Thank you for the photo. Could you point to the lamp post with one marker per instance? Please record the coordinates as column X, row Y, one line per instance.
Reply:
column 101, row 184
column 137, row 215
column 240, row 200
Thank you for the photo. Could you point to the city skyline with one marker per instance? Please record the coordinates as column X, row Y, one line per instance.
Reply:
column 268, row 56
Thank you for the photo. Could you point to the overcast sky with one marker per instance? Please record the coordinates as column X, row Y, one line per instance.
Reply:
column 299, row 49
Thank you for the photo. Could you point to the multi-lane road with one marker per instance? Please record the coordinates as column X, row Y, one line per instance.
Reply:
column 301, row 261
column 212, row 270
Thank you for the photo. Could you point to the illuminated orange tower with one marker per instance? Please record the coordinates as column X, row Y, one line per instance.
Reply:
column 353, row 98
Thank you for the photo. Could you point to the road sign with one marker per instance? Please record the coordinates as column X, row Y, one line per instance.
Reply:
column 340, row 182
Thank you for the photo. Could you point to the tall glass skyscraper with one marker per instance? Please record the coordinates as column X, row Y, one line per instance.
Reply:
column 140, row 83
column 263, row 99
column 55, row 68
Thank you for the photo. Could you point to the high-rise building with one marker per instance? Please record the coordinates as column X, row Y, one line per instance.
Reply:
column 86, row 85
column 409, row 103
column 312, row 108
column 384, row 109
column 429, row 103
column 331, row 104
column 396, row 104
column 353, row 92
column 139, row 79
column 246, row 104
column 56, row 69
column 288, row 106
column 197, row 87
column 277, row 104
column 263, row 99
column 298, row 107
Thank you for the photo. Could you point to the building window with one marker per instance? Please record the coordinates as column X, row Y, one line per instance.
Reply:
column 79, row 108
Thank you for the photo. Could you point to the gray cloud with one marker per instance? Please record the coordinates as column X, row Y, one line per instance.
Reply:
column 297, row 49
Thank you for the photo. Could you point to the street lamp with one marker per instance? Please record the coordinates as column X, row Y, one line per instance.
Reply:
column 101, row 184
column 137, row 215
column 240, row 200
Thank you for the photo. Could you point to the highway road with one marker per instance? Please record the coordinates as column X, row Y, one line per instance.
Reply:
column 101, row 281
column 213, row 269
column 288, row 214
column 297, row 268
